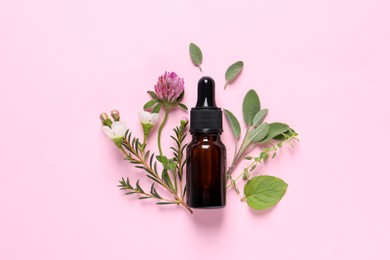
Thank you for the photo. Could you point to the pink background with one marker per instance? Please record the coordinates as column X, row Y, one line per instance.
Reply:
column 321, row 66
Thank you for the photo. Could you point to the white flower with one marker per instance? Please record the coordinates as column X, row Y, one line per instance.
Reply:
column 116, row 131
column 148, row 118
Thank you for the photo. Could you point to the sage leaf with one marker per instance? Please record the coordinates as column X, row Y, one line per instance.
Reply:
column 263, row 192
column 233, row 71
column 250, row 107
column 258, row 133
column 275, row 129
column 289, row 133
column 259, row 117
column 233, row 123
column 196, row 55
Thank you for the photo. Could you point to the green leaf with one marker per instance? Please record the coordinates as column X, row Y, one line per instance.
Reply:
column 167, row 179
column 233, row 122
column 259, row 117
column 233, row 71
column 258, row 133
column 275, row 129
column 183, row 106
column 157, row 108
column 152, row 94
column 289, row 133
column 263, row 192
column 250, row 107
column 165, row 203
column 196, row 55
column 150, row 103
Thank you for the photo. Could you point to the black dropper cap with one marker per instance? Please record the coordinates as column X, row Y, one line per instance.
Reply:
column 206, row 117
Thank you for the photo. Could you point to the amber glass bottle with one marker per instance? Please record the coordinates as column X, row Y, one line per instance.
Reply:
column 206, row 154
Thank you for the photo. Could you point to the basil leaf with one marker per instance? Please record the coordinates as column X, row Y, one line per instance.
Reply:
column 263, row 192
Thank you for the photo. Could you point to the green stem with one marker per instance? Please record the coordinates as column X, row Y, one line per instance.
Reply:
column 178, row 199
column 160, row 130
column 257, row 160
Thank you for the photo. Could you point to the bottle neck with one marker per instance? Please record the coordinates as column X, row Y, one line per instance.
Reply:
column 208, row 137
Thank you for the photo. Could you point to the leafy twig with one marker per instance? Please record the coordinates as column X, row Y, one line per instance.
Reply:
column 178, row 152
column 134, row 156
column 264, row 155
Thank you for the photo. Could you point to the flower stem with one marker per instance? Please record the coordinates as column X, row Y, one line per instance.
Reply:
column 160, row 130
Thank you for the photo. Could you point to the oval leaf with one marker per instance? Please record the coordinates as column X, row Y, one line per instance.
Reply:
column 275, row 129
column 259, row 117
column 150, row 103
column 263, row 192
column 233, row 71
column 289, row 133
column 183, row 106
column 157, row 108
column 250, row 107
column 258, row 133
column 196, row 55
column 233, row 122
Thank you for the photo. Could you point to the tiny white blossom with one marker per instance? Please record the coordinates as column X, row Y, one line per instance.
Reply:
column 116, row 131
column 148, row 118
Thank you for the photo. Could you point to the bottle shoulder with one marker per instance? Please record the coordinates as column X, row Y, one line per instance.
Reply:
column 206, row 143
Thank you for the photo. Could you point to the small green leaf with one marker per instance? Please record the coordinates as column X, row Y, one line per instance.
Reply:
column 183, row 106
column 196, row 55
column 259, row 117
column 233, row 71
column 258, row 133
column 275, row 129
column 157, row 108
column 289, row 133
column 152, row 94
column 250, row 107
column 263, row 192
column 150, row 103
column 165, row 203
column 233, row 122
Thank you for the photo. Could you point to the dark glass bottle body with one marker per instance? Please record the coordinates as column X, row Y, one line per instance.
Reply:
column 206, row 171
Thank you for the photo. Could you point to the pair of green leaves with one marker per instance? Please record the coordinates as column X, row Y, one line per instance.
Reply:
column 254, row 116
column 250, row 107
column 168, row 164
column 231, row 73
column 155, row 102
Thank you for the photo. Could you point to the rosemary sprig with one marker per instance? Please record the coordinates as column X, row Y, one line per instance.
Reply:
column 135, row 153
column 178, row 152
